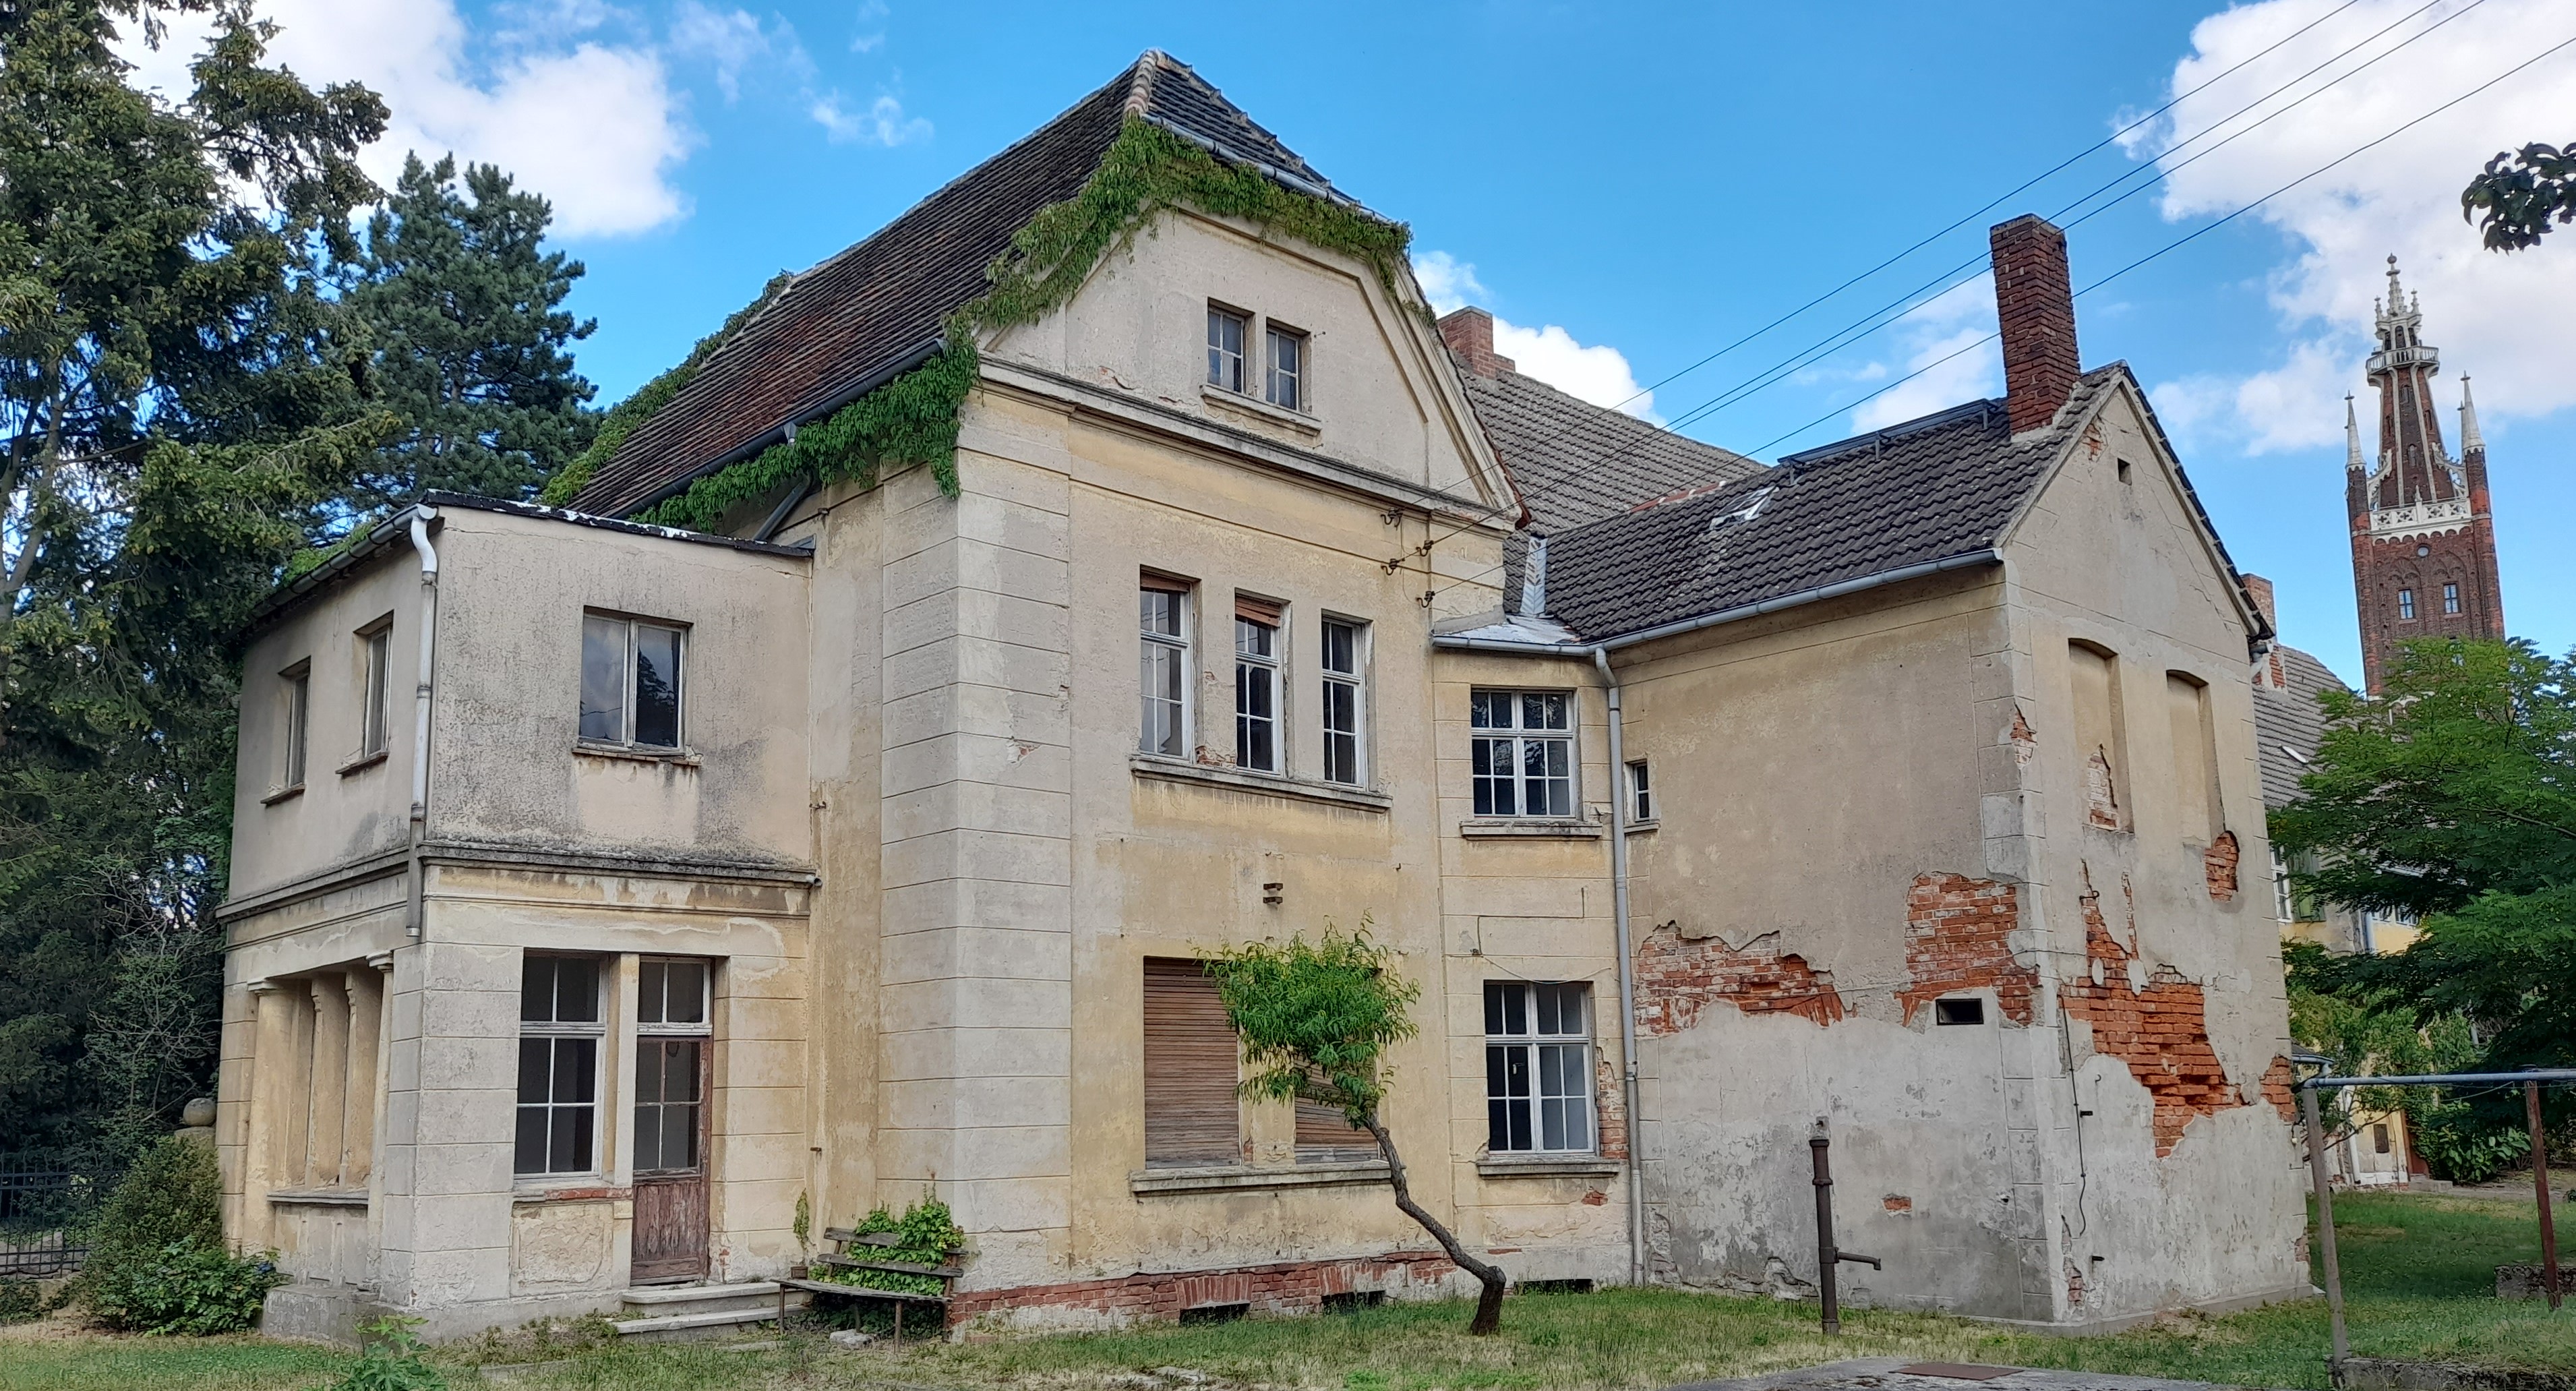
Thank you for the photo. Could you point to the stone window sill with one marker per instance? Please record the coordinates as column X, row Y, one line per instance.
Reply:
column 686, row 758
column 1547, row 1166
column 1638, row 828
column 1259, row 409
column 1528, row 828
column 364, row 761
column 283, row 794
column 1222, row 1178
column 1148, row 765
column 320, row 1197
column 574, row 1192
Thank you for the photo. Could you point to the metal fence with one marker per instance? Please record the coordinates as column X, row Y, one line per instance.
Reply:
column 46, row 1202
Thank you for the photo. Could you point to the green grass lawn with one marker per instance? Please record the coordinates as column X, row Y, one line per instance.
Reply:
column 2420, row 1275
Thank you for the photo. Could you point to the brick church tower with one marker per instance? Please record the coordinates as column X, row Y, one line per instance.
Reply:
column 2423, row 539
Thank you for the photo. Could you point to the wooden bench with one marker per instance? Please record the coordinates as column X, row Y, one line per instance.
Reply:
column 844, row 1238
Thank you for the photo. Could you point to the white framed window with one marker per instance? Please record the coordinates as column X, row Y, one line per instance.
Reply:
column 1641, row 791
column 298, row 723
column 1522, row 752
column 1162, row 666
column 1226, row 331
column 2284, row 905
column 1287, row 368
column 630, row 681
column 1258, row 625
column 560, row 1027
column 2450, row 598
column 379, row 641
column 1344, row 705
column 1538, row 1067
column 671, row 1033
column 2406, row 603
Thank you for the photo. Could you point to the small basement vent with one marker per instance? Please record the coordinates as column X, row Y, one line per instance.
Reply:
column 1352, row 1301
column 1555, row 1287
column 1970, row 1011
column 1215, row 1313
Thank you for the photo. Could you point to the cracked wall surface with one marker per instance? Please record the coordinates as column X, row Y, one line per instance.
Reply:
column 1678, row 979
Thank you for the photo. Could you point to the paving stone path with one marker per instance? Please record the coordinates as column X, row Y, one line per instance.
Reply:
column 1897, row 1374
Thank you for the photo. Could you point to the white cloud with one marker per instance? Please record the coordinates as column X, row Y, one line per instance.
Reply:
column 1596, row 373
column 883, row 123
column 593, row 126
column 2500, row 318
column 729, row 41
column 1940, row 340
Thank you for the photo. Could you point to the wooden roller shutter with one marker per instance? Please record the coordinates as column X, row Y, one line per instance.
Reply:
column 1191, row 1114
column 1266, row 611
column 1325, row 1135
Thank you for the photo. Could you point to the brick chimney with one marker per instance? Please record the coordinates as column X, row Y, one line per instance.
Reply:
column 2269, row 674
column 2259, row 590
column 2035, row 302
column 1469, row 332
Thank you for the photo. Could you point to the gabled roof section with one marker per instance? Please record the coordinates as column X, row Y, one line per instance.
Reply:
column 2288, row 722
column 1942, row 489
column 877, row 308
column 1575, row 462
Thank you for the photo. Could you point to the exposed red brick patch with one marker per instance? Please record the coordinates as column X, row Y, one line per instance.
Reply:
column 2280, row 1088
column 1286, row 1288
column 2161, row 1031
column 1958, row 937
column 2025, row 743
column 1897, row 1202
column 1595, row 1198
column 1677, row 979
column 2074, row 1283
column 1610, row 1106
column 2219, row 864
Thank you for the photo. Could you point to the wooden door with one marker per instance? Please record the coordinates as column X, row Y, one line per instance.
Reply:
column 671, row 1218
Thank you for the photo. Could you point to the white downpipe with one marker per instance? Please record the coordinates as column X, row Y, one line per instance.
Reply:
column 421, row 517
column 1619, row 793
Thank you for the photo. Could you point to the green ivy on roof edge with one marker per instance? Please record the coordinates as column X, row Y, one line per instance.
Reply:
column 913, row 418
column 624, row 417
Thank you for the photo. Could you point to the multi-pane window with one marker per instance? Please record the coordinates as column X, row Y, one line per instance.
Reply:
column 559, row 1032
column 2284, row 906
column 1162, row 665
column 299, row 719
column 1344, row 701
column 630, row 682
column 670, row 1064
column 1522, row 753
column 1641, row 791
column 1256, row 684
column 1225, row 348
column 2450, row 598
column 1538, row 1067
column 2406, row 603
column 380, row 647
column 1287, row 368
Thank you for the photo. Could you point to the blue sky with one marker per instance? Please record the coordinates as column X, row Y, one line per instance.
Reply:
column 1631, row 187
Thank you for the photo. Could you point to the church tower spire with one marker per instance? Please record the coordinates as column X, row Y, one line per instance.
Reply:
column 2423, row 541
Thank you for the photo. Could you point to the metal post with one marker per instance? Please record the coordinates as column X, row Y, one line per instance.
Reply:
column 2325, row 1230
column 1818, row 1142
column 2540, row 1182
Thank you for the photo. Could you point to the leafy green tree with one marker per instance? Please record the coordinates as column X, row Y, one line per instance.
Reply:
column 1316, row 1021
column 177, row 410
column 2453, row 796
column 2523, row 192
column 470, row 339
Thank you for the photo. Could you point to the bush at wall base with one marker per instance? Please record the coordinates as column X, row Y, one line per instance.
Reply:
column 158, row 1262
column 392, row 1361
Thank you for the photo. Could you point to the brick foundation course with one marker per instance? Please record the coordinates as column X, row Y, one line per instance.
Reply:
column 2161, row 1031
column 1677, row 979
column 1293, row 1287
column 1958, row 936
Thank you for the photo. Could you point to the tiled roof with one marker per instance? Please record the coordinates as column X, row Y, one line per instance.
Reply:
column 1575, row 462
column 879, row 305
column 2288, row 723
column 1934, row 489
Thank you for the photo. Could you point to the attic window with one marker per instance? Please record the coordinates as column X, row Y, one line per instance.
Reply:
column 1226, row 330
column 2124, row 470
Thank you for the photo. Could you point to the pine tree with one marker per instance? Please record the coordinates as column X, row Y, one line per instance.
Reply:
column 470, row 337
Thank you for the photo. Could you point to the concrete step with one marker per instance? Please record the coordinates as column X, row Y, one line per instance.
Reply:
column 682, row 1311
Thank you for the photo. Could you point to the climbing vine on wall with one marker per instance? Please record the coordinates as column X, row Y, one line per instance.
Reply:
column 913, row 418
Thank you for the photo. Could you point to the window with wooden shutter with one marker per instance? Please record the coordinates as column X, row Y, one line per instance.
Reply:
column 1326, row 1136
column 1191, row 1114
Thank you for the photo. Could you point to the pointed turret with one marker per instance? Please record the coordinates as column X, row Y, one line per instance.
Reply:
column 2352, row 437
column 2471, row 442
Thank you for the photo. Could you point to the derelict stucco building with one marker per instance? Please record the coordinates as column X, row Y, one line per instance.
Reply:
column 603, row 891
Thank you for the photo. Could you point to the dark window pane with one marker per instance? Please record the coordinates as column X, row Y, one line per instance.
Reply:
column 537, row 988
column 603, row 678
column 1515, row 1010
column 648, row 992
column 648, row 1074
column 1493, row 1009
column 536, row 1064
column 648, row 1137
column 576, row 990
column 688, row 994
column 657, row 686
column 576, row 1069
column 1498, row 1125
column 679, row 1137
column 529, row 1155
column 680, row 1070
